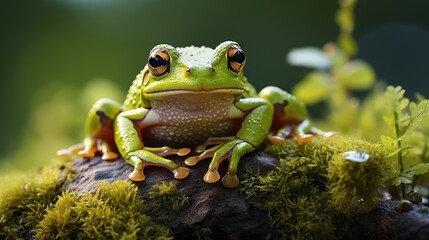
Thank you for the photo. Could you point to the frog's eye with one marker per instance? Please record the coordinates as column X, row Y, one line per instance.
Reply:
column 236, row 58
column 158, row 62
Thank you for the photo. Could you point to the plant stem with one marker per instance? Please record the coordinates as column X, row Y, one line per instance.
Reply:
column 422, row 159
column 400, row 162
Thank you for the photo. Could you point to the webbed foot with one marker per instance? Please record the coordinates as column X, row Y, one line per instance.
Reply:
column 71, row 150
column 230, row 180
column 211, row 176
column 275, row 139
column 299, row 136
column 89, row 148
column 281, row 138
column 137, row 176
column 109, row 156
column 304, row 138
column 143, row 158
column 230, row 148
column 180, row 172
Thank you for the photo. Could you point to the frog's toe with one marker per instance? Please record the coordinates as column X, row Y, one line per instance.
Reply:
column 70, row 150
column 230, row 180
column 275, row 139
column 191, row 161
column 304, row 138
column 329, row 134
column 109, row 156
column 211, row 176
column 183, row 151
column 136, row 176
column 64, row 152
column 87, row 153
column 200, row 148
column 180, row 172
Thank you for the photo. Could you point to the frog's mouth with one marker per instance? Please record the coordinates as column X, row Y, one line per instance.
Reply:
column 174, row 92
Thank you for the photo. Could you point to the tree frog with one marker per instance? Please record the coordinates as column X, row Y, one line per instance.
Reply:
column 192, row 98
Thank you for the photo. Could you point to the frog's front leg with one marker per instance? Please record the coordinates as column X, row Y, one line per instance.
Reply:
column 128, row 126
column 99, row 132
column 254, row 128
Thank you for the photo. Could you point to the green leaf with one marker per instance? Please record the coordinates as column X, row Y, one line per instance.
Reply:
column 419, row 97
column 398, row 150
column 403, row 118
column 394, row 95
column 420, row 168
column 308, row 57
column 401, row 179
column 395, row 101
column 389, row 143
column 358, row 75
column 413, row 108
column 389, row 120
column 403, row 103
column 313, row 88
column 419, row 112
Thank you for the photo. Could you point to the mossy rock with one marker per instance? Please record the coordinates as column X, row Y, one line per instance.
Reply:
column 191, row 208
column 316, row 189
column 24, row 201
column 288, row 191
column 113, row 212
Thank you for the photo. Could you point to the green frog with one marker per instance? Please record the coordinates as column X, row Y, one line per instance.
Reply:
column 192, row 98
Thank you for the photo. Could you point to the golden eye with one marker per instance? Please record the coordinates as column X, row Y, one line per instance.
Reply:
column 236, row 58
column 158, row 62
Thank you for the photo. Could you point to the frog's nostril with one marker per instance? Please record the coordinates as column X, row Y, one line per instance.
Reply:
column 189, row 69
column 212, row 68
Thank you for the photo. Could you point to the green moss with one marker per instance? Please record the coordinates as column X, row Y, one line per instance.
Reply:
column 203, row 233
column 308, row 193
column 295, row 195
column 113, row 212
column 24, row 200
column 33, row 204
column 350, row 182
column 168, row 201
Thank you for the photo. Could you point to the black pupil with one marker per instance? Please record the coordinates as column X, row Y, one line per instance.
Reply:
column 157, row 61
column 238, row 57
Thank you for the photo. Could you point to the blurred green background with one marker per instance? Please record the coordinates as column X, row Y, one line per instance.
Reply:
column 58, row 57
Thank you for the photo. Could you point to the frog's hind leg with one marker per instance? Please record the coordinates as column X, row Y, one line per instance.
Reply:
column 290, row 118
column 99, row 132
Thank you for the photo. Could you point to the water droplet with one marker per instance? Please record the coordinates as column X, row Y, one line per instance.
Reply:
column 356, row 156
